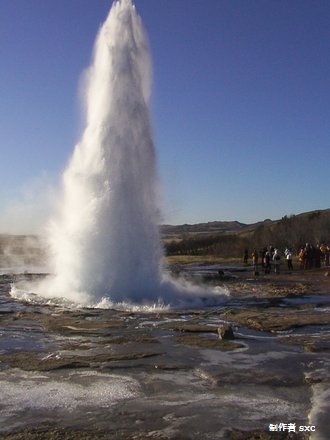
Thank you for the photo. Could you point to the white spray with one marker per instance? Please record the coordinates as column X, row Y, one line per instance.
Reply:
column 105, row 240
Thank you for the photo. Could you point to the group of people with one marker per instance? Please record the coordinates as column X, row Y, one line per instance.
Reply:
column 314, row 256
column 270, row 257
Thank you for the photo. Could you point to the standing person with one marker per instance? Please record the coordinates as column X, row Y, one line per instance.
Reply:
column 308, row 256
column 302, row 258
column 277, row 261
column 323, row 250
column 327, row 257
column 267, row 264
column 317, row 257
column 255, row 261
column 288, row 255
column 262, row 254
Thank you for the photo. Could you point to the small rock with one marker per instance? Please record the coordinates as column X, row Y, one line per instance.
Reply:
column 226, row 332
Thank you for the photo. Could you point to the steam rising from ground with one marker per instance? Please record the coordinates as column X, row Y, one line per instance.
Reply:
column 104, row 239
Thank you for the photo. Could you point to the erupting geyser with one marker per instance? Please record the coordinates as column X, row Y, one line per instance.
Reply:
column 105, row 241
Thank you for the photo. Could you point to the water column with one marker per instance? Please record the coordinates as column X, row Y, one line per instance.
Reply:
column 104, row 239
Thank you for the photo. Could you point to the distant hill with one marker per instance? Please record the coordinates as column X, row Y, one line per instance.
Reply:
column 229, row 238
column 234, row 226
column 224, row 238
column 202, row 228
column 169, row 232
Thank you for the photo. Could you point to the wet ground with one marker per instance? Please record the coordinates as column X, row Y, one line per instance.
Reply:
column 115, row 374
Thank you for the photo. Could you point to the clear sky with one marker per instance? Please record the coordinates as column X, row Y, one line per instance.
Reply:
column 240, row 105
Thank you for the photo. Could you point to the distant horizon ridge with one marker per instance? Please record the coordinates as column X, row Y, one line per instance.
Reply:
column 214, row 222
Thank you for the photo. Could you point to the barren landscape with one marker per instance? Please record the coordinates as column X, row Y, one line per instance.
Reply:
column 171, row 373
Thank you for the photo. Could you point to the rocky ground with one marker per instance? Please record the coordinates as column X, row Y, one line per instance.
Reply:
column 269, row 340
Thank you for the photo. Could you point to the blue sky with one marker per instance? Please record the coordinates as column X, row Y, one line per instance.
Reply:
column 240, row 105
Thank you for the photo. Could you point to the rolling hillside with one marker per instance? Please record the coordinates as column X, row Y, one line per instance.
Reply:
column 220, row 238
